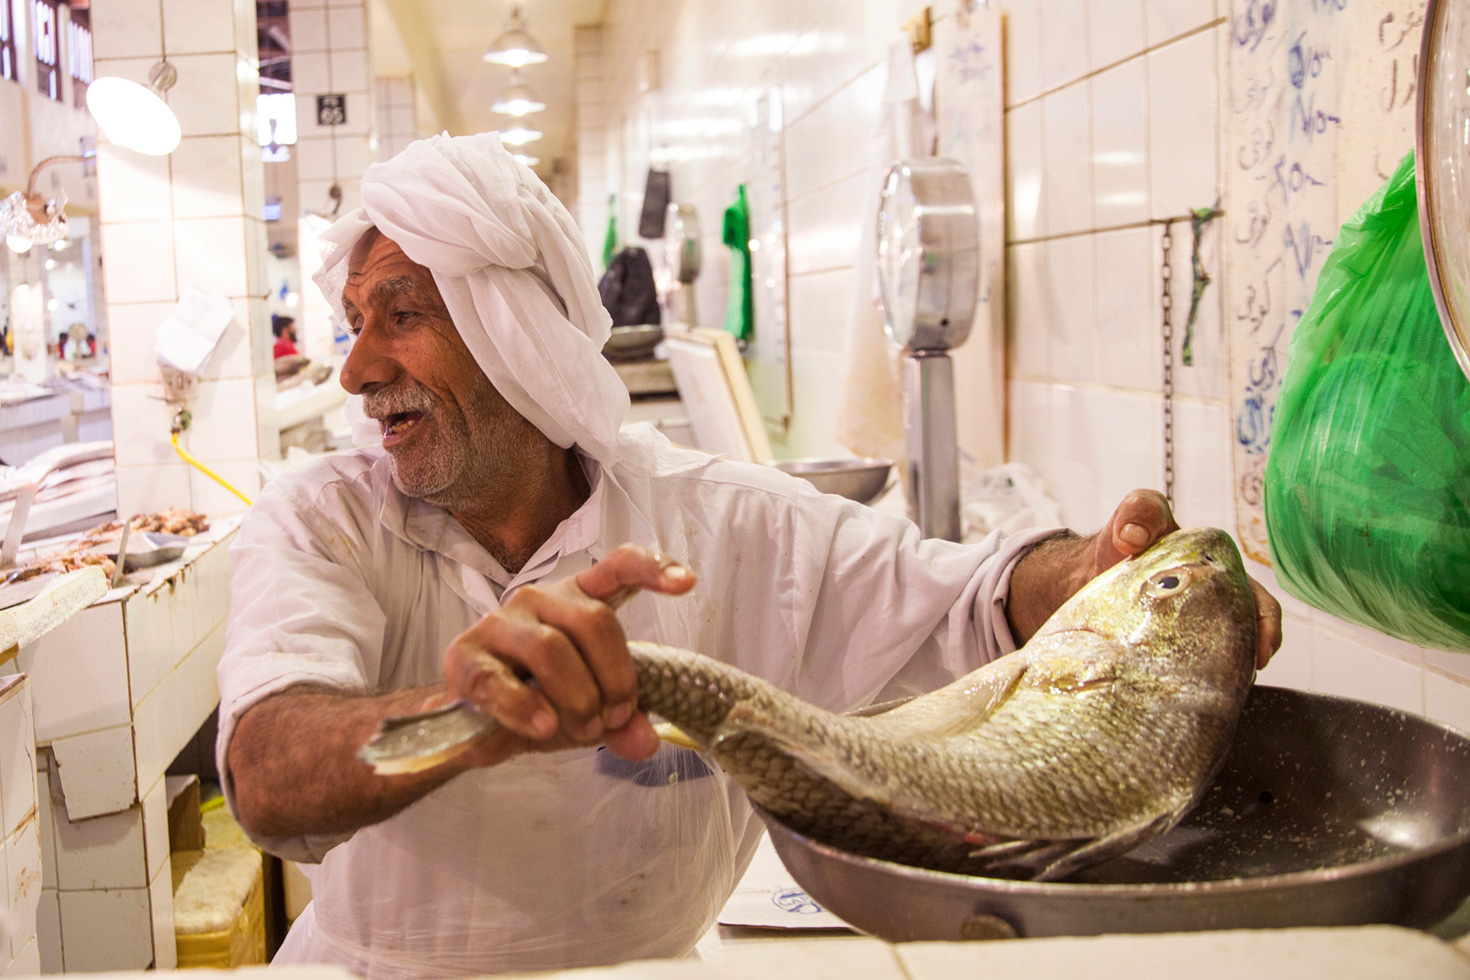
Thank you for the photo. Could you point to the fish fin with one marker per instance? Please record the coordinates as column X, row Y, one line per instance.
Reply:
column 959, row 707
column 745, row 719
column 1015, row 849
column 1099, row 849
column 1075, row 661
column 674, row 735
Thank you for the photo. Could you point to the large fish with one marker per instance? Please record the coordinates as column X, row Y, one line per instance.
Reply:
column 1099, row 734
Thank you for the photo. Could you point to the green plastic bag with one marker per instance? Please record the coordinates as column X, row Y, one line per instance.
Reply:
column 1367, row 488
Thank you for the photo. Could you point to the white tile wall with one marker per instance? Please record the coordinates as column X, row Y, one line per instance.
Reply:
column 190, row 27
column 1183, row 126
column 1129, row 345
column 1119, row 103
column 1113, row 122
column 1170, row 18
column 107, row 930
column 206, row 173
column 1064, row 42
column 121, row 29
column 1067, row 180
column 1115, row 31
column 1025, row 173
column 1022, row 27
column 78, row 674
column 189, row 220
column 1070, row 312
column 97, row 770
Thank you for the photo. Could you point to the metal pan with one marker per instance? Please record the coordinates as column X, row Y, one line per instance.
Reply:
column 1328, row 812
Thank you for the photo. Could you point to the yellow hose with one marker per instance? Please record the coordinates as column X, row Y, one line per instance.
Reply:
column 207, row 471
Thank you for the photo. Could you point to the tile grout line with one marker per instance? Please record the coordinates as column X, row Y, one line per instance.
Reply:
column 1122, row 61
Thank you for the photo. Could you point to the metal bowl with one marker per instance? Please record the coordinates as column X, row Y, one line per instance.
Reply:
column 860, row 479
column 628, row 343
column 1328, row 812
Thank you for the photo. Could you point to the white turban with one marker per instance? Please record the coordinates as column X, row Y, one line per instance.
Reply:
column 513, row 271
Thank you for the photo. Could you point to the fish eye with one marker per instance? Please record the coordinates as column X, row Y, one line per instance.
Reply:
column 1168, row 582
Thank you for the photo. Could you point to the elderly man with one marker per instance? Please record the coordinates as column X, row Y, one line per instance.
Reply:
column 473, row 550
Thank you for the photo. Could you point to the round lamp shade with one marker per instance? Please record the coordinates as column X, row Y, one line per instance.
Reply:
column 133, row 116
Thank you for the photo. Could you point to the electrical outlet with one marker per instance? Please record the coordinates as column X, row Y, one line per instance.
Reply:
column 178, row 388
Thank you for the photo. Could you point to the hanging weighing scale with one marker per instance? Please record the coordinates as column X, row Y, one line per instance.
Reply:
column 1441, row 155
column 682, row 255
column 928, row 275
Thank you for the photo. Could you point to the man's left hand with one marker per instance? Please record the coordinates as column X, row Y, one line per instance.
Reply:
column 1143, row 518
column 1053, row 571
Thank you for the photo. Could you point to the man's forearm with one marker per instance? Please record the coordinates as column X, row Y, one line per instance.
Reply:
column 1045, row 577
column 294, row 767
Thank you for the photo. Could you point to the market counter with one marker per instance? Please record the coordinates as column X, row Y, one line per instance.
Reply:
column 119, row 689
column 1358, row 953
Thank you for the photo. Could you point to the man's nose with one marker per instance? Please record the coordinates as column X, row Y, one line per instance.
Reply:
column 369, row 363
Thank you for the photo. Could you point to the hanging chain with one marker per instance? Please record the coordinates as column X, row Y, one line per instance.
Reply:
column 1166, row 304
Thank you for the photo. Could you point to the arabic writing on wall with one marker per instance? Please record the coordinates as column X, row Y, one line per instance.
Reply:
column 1320, row 109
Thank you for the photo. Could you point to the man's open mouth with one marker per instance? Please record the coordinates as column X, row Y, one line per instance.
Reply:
column 399, row 423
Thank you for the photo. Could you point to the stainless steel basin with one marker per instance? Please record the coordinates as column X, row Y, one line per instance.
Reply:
column 860, row 479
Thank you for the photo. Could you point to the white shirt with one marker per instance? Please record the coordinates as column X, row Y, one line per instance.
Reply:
column 578, row 857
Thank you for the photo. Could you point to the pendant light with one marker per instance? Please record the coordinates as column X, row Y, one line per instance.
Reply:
column 515, row 46
column 519, row 136
column 132, row 115
column 135, row 116
column 518, row 99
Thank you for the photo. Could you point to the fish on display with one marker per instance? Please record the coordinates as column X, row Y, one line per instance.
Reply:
column 1099, row 734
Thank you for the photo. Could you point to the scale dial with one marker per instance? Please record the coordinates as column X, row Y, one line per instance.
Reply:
column 928, row 254
column 1442, row 166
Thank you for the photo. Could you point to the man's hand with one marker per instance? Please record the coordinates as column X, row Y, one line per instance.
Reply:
column 566, row 639
column 1055, row 569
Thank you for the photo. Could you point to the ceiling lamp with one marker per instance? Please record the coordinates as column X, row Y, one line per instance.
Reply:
column 515, row 46
column 135, row 116
column 517, row 99
column 132, row 115
column 519, row 136
column 525, row 160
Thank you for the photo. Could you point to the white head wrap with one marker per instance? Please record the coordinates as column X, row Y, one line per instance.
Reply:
column 513, row 271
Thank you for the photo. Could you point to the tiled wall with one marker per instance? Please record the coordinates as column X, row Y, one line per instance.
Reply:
column 194, row 219
column 397, row 117
column 1112, row 124
column 329, row 56
column 716, row 59
column 36, row 127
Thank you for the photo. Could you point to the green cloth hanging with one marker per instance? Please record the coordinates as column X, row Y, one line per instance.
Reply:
column 739, row 311
column 610, row 240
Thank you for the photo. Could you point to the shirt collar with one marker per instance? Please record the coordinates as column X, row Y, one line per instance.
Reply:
column 429, row 527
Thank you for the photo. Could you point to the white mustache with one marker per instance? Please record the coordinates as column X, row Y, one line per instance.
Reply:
column 395, row 401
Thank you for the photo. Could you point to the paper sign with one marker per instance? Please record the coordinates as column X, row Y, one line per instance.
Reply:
column 768, row 897
column 192, row 330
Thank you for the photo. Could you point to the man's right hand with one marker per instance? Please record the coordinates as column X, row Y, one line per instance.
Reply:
column 565, row 637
